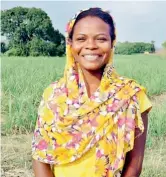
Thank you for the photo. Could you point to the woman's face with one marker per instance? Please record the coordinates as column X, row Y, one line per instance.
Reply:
column 91, row 43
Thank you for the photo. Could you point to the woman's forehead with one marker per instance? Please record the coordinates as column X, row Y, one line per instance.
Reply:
column 91, row 24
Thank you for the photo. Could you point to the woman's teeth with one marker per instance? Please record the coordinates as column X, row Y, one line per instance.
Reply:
column 91, row 57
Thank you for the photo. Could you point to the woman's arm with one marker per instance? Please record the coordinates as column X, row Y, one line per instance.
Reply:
column 134, row 158
column 42, row 169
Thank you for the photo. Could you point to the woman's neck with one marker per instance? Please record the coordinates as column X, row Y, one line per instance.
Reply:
column 92, row 80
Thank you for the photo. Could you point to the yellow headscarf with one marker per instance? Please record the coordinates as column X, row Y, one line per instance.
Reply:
column 70, row 123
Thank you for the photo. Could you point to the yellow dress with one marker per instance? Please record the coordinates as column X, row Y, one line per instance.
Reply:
column 84, row 167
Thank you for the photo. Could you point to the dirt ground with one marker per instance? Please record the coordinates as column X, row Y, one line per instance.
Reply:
column 159, row 99
column 16, row 156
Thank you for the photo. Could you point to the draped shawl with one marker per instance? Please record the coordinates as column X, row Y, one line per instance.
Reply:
column 69, row 123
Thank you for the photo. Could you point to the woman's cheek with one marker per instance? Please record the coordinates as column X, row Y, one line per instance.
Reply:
column 76, row 49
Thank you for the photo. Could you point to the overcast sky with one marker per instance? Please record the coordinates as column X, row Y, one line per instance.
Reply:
column 135, row 20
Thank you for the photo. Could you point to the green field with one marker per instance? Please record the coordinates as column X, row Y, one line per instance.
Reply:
column 24, row 79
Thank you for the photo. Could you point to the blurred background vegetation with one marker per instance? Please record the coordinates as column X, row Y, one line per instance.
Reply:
column 29, row 32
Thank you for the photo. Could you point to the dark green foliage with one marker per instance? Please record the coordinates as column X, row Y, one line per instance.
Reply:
column 18, row 51
column 3, row 47
column 30, row 32
column 128, row 48
column 40, row 47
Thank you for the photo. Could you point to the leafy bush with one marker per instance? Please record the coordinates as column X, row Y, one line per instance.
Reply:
column 13, row 52
column 40, row 47
column 128, row 48
column 18, row 51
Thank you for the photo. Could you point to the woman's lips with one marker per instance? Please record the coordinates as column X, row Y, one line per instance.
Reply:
column 91, row 57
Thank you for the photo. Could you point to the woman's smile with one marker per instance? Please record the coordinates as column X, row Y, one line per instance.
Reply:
column 92, row 57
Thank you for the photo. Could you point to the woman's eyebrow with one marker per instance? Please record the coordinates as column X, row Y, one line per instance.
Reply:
column 102, row 34
column 80, row 34
column 97, row 34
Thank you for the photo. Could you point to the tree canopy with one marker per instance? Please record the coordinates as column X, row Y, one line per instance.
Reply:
column 128, row 48
column 30, row 32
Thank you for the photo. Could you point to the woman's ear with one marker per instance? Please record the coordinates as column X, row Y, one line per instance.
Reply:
column 69, row 41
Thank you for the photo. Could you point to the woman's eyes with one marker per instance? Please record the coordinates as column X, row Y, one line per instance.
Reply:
column 102, row 39
column 98, row 39
column 80, row 39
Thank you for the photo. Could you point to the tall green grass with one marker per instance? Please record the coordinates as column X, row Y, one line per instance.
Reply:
column 24, row 79
column 157, row 125
column 148, row 70
column 23, row 82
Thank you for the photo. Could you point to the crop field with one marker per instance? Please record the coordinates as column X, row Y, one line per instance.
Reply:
column 23, row 82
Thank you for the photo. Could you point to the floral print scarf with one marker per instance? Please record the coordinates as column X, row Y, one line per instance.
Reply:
column 69, row 123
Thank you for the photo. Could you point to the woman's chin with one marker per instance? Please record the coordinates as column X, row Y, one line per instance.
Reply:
column 92, row 67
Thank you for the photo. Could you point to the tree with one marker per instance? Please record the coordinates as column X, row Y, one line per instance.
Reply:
column 153, row 46
column 3, row 47
column 164, row 44
column 128, row 48
column 24, row 25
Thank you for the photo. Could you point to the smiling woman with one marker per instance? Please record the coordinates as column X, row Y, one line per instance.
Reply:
column 92, row 122
column 91, row 48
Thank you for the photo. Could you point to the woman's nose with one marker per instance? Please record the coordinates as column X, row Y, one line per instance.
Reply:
column 91, row 44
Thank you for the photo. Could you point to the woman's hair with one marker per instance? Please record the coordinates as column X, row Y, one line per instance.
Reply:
column 96, row 12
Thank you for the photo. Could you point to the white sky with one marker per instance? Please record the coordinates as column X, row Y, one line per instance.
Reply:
column 135, row 20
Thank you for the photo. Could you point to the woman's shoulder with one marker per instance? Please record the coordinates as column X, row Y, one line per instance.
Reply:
column 141, row 95
column 134, row 84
